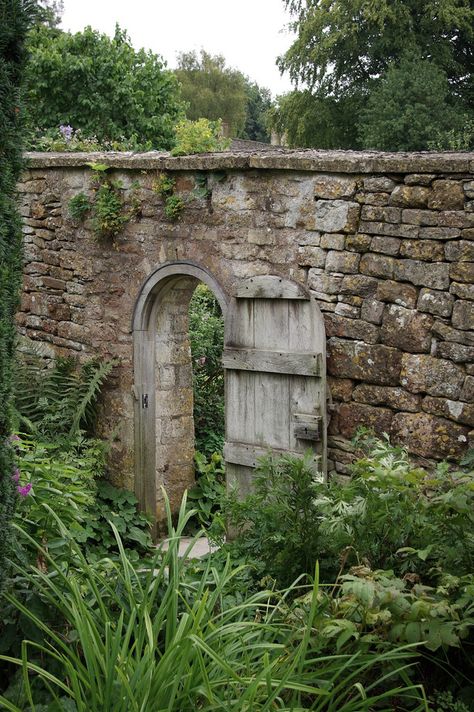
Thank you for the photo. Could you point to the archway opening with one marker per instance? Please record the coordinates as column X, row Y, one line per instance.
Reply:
column 164, row 424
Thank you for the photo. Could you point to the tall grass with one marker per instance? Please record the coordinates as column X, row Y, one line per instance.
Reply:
column 137, row 640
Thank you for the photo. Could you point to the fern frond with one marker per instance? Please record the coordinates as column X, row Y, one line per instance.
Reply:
column 92, row 377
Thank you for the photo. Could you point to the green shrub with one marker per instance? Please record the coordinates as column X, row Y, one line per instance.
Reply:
column 135, row 640
column 201, row 136
column 205, row 498
column 119, row 507
column 206, row 332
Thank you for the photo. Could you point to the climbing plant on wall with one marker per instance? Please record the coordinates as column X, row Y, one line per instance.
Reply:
column 14, row 15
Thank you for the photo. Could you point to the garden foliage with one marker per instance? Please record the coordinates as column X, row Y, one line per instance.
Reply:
column 14, row 19
column 206, row 331
column 101, row 86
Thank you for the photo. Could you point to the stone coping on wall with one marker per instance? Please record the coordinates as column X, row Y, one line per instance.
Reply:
column 272, row 159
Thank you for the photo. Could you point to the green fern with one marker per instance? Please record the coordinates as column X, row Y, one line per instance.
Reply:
column 57, row 399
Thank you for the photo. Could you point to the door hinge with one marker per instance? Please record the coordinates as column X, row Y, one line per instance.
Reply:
column 145, row 400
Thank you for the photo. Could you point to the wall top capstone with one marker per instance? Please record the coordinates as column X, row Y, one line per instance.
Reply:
column 272, row 159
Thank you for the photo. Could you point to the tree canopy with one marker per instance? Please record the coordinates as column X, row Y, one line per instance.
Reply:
column 215, row 91
column 102, row 86
column 344, row 48
column 212, row 90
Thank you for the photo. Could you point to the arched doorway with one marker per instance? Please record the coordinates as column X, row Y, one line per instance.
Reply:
column 275, row 379
column 163, row 390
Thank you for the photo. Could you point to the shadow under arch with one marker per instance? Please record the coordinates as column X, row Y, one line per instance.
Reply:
column 163, row 391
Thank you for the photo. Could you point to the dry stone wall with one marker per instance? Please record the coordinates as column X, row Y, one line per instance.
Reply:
column 385, row 243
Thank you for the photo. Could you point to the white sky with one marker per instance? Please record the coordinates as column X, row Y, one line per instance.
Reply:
column 249, row 33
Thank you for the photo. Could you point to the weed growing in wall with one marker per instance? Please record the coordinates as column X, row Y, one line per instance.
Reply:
column 107, row 206
column 164, row 186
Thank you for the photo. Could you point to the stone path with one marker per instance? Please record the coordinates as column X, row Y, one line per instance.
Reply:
column 201, row 547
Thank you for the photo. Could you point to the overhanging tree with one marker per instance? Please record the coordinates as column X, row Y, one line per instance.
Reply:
column 344, row 47
column 101, row 86
column 14, row 15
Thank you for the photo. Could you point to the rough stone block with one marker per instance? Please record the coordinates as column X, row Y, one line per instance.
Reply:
column 311, row 256
column 336, row 216
column 373, row 363
column 345, row 262
column 448, row 333
column 332, row 241
column 446, row 195
column 429, row 436
column 372, row 198
column 373, row 213
column 433, row 302
column 420, row 217
column 389, row 230
column 398, row 293
column 463, row 315
column 437, row 377
column 390, row 396
column 320, row 281
column 439, row 233
column 462, row 272
column 385, row 245
column 467, row 393
column 460, row 251
column 379, row 184
column 351, row 328
column 454, row 410
column 406, row 329
column 456, row 218
column 435, row 276
column 469, row 188
column 463, row 291
column 455, row 352
column 372, row 311
column 359, row 285
column 332, row 187
column 377, row 266
column 354, row 415
column 406, row 196
column 340, row 388
column 420, row 178
column 427, row 250
column 352, row 311
column 358, row 243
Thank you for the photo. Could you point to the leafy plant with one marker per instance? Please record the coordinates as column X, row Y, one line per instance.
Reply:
column 201, row 136
column 206, row 333
column 205, row 498
column 59, row 400
column 119, row 507
column 278, row 527
column 79, row 206
column 174, row 206
column 132, row 639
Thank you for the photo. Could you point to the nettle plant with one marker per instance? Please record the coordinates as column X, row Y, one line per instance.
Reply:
column 164, row 186
column 107, row 205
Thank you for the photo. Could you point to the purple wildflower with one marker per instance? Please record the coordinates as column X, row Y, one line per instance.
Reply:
column 13, row 437
column 24, row 491
column 66, row 132
column 16, row 475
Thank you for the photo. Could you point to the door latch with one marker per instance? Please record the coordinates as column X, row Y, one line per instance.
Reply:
column 145, row 400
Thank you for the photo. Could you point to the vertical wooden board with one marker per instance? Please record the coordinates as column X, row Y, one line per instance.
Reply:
column 272, row 426
column 241, row 328
column 144, row 358
column 240, row 406
column 308, row 394
column 239, row 478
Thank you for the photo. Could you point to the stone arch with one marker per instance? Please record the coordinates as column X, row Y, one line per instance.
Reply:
column 164, row 434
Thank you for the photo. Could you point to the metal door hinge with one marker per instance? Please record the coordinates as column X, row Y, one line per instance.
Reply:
column 145, row 400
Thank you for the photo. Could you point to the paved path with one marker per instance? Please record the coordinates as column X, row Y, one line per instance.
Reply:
column 201, row 547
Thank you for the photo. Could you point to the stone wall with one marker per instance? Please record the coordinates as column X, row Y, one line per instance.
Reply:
column 385, row 243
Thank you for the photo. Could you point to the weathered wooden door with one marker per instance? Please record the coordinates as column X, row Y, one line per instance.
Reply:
column 275, row 369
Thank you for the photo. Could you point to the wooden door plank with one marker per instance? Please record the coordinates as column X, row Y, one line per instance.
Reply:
column 249, row 455
column 287, row 362
column 270, row 287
